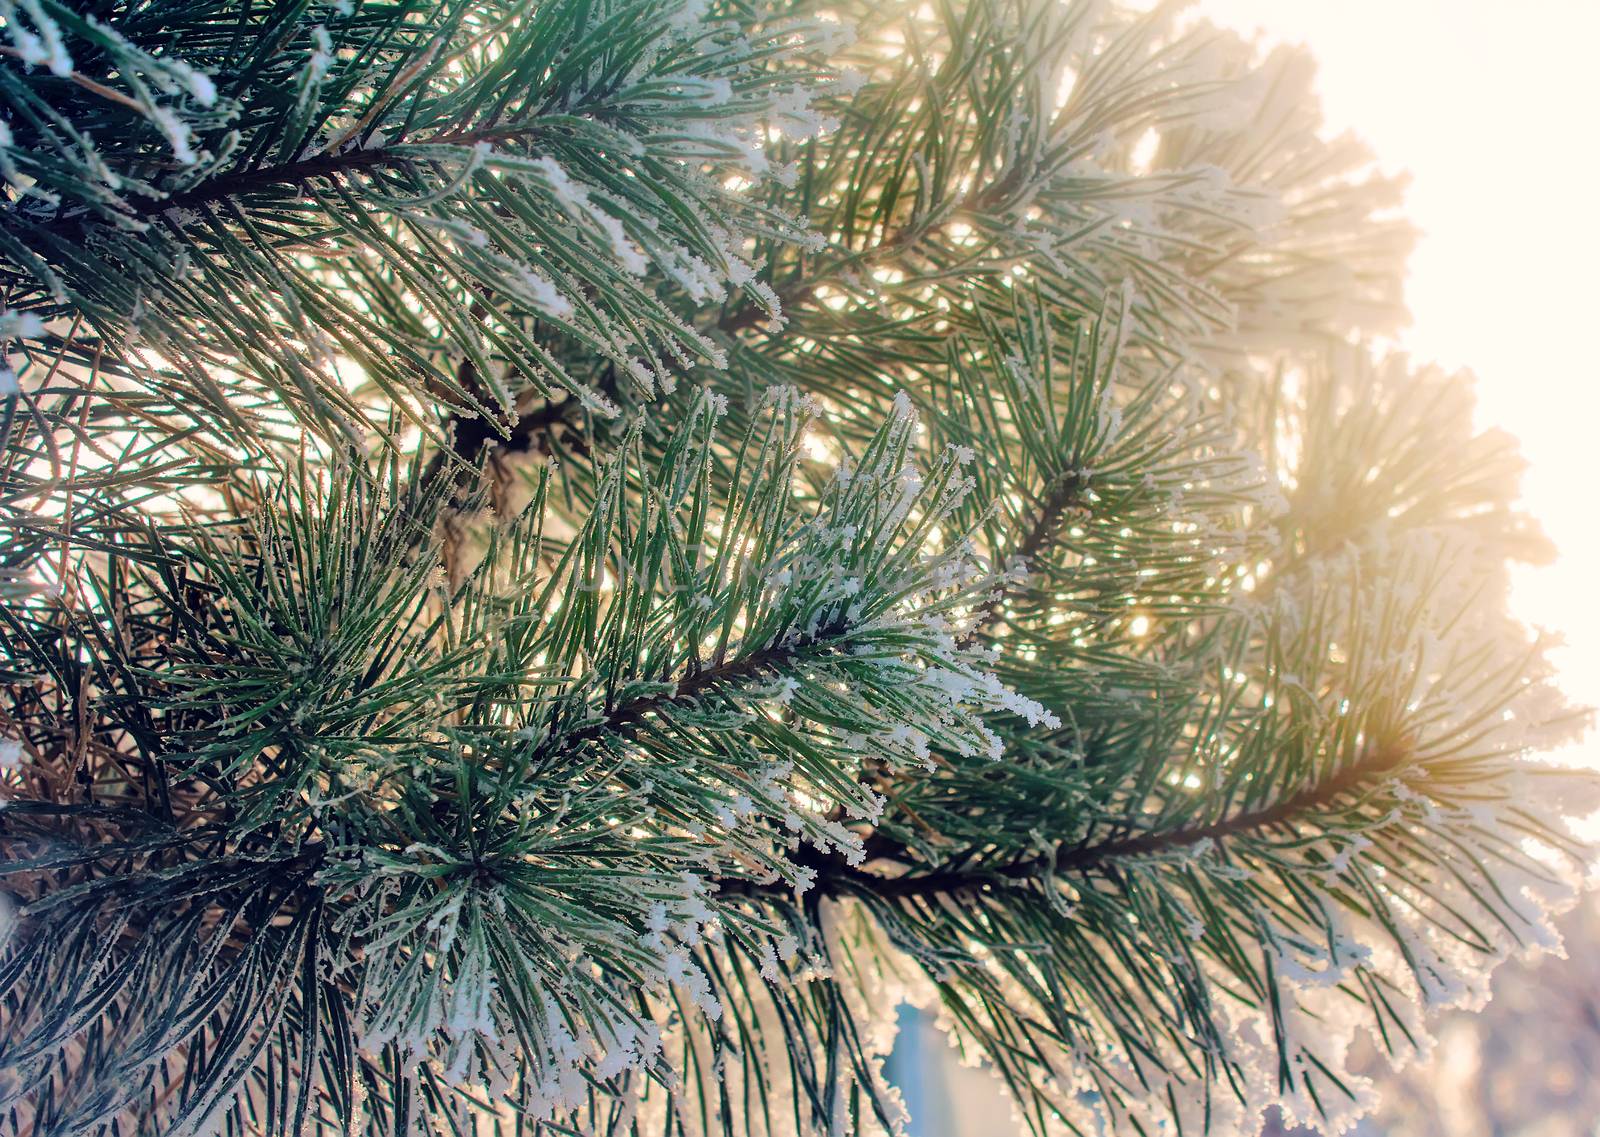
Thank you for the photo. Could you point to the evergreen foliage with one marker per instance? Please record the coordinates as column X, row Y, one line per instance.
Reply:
column 564, row 558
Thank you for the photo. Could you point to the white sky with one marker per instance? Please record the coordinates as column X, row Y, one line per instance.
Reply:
column 1494, row 108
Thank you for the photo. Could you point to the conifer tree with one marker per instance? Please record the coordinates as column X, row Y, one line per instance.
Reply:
column 562, row 558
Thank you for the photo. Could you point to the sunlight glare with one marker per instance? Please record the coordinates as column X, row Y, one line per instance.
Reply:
column 1489, row 108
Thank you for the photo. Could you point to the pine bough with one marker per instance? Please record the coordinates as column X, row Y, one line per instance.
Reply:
column 563, row 559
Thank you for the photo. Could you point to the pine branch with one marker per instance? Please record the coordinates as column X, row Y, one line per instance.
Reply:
column 798, row 293
column 473, row 436
column 1063, row 497
column 698, row 682
column 464, row 789
column 1376, row 764
column 241, row 183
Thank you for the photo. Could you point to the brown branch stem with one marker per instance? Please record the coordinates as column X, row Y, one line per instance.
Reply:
column 835, row 877
column 696, row 683
column 1062, row 497
column 325, row 165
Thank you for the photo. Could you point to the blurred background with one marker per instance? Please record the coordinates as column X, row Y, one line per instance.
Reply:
column 1492, row 108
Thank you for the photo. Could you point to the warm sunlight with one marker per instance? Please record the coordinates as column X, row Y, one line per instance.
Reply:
column 1491, row 109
